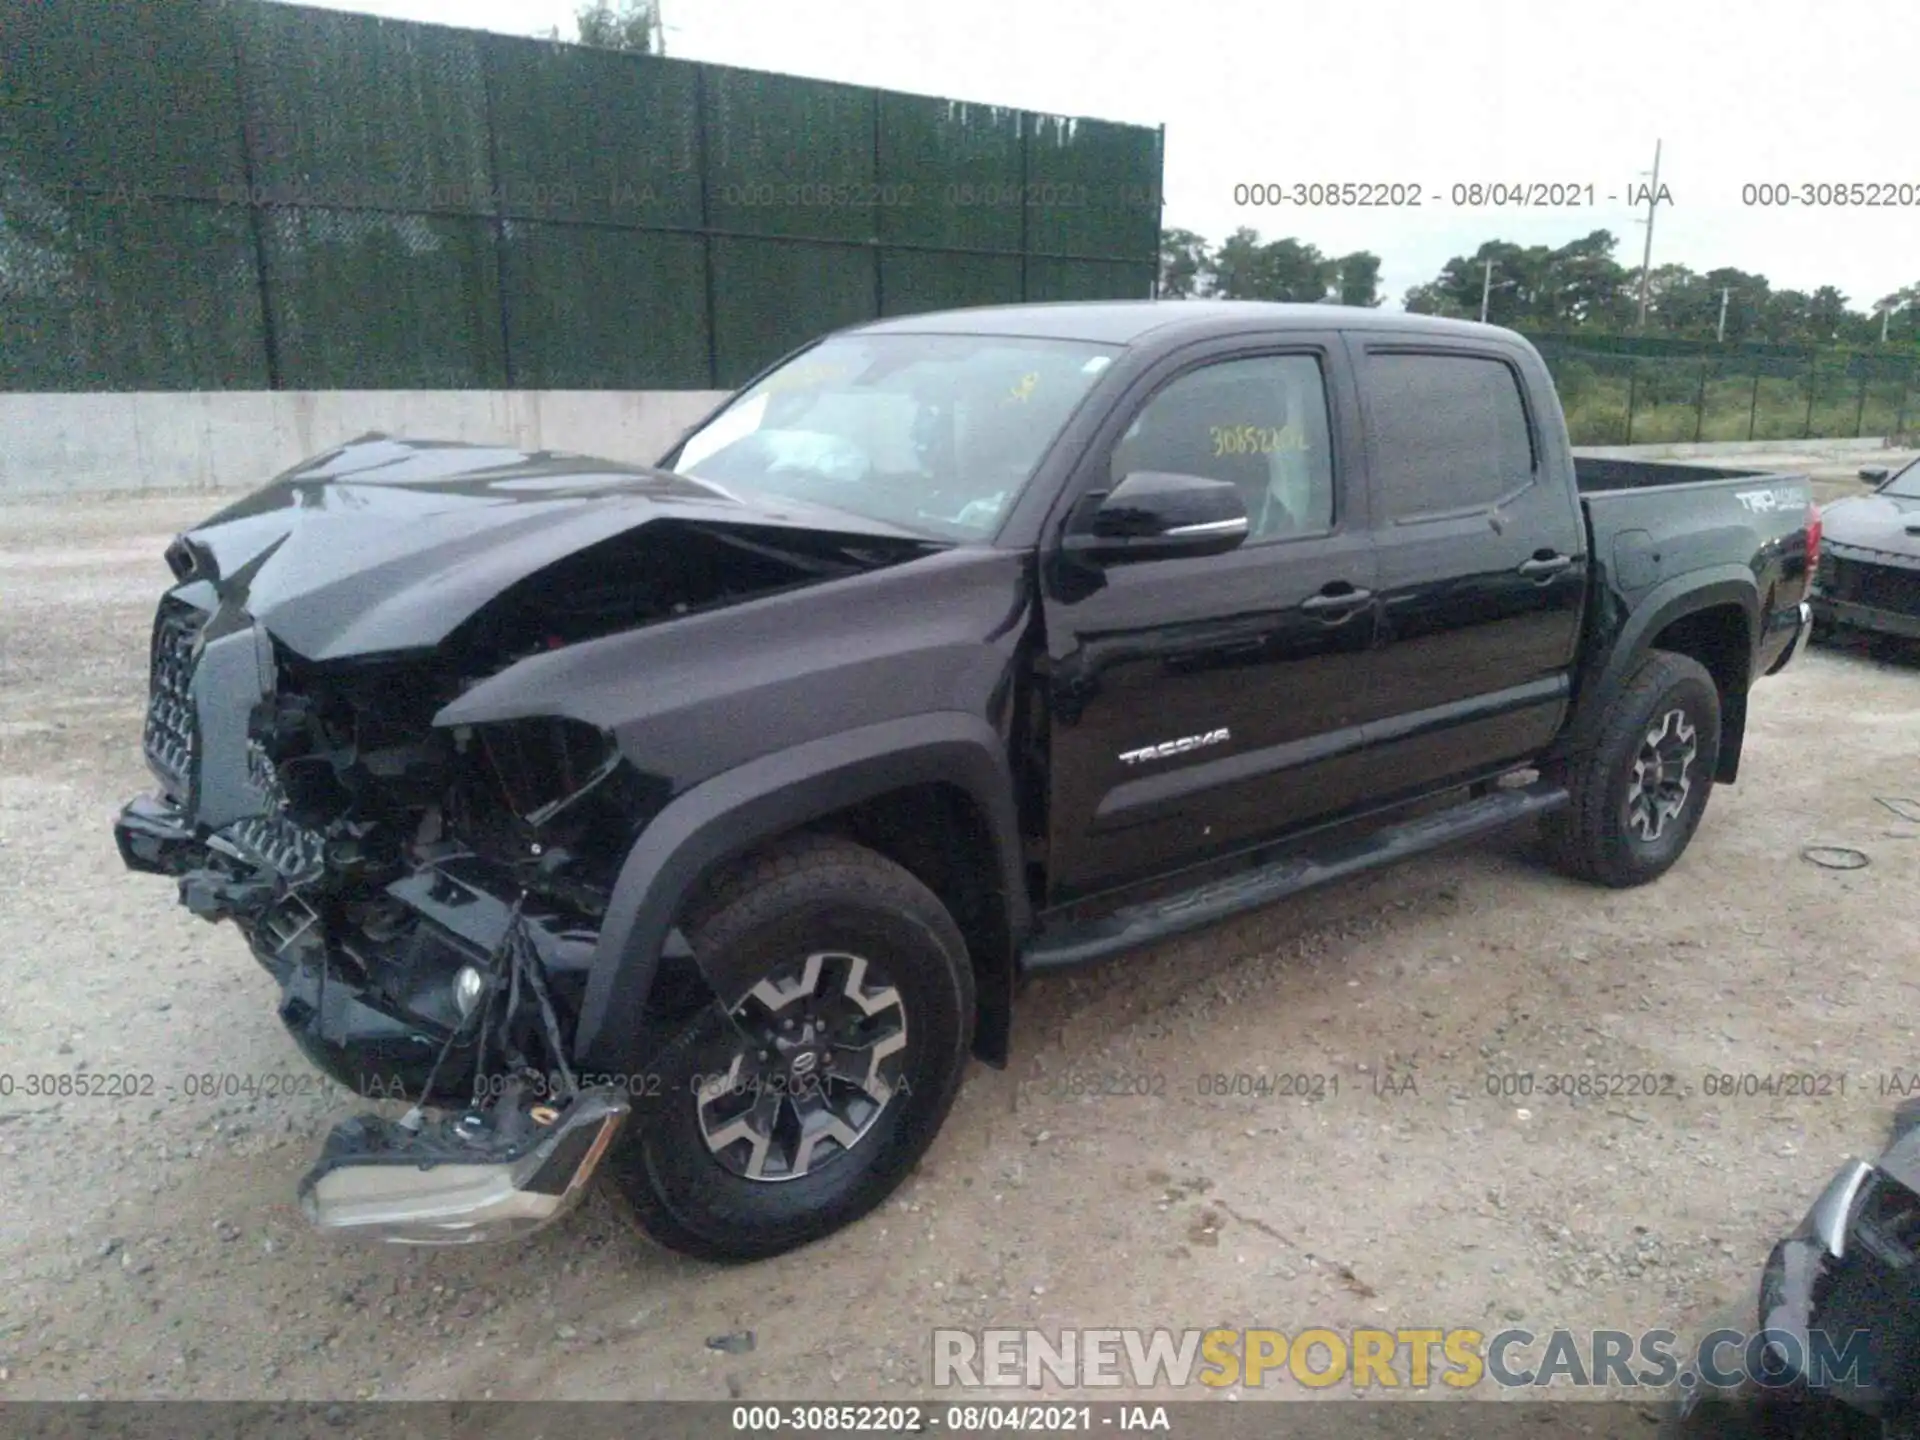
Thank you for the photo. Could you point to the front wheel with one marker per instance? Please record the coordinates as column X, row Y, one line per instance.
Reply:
column 804, row 1095
column 1639, row 792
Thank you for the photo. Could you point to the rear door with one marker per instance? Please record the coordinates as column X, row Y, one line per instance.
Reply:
column 1482, row 553
column 1201, row 704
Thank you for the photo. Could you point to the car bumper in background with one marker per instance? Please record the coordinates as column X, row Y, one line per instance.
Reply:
column 1866, row 617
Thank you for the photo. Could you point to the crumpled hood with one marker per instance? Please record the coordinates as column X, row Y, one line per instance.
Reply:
column 388, row 544
column 1873, row 522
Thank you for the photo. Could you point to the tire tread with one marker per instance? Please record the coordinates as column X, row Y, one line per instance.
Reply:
column 759, row 889
column 1582, row 841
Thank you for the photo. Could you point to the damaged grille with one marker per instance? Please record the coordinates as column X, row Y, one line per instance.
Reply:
column 1879, row 587
column 273, row 838
column 298, row 854
column 171, row 735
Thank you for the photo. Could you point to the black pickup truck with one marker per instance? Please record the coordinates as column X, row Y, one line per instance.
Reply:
column 700, row 819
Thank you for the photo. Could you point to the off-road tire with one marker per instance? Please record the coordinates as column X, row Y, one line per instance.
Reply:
column 1592, row 838
column 810, row 894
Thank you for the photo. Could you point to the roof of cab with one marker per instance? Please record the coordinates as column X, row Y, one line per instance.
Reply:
column 1124, row 322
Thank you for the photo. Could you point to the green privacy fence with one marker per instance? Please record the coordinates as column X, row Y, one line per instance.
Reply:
column 226, row 194
column 1625, row 391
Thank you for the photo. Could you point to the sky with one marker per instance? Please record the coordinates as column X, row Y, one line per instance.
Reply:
column 1431, row 93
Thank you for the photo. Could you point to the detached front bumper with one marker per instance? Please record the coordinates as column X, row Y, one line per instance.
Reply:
column 461, row 1181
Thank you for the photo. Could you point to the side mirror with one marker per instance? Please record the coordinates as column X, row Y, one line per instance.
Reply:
column 1154, row 515
column 1874, row 474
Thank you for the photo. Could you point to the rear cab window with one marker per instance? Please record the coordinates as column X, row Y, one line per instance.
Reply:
column 1447, row 434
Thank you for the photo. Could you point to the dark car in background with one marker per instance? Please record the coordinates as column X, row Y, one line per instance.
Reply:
column 1869, row 573
column 1838, row 1315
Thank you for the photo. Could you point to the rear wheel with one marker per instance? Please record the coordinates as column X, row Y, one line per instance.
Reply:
column 800, row 1099
column 1639, row 793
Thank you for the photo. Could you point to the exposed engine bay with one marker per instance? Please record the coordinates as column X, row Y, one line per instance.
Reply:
column 429, row 896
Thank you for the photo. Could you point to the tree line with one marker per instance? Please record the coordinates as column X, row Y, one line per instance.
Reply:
column 1573, row 288
column 632, row 25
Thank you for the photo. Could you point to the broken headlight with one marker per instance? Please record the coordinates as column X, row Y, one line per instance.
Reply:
column 544, row 766
column 550, row 795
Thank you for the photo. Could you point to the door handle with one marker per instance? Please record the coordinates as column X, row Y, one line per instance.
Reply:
column 1324, row 603
column 1543, row 565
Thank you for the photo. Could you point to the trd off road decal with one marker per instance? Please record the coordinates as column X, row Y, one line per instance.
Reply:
column 1775, row 497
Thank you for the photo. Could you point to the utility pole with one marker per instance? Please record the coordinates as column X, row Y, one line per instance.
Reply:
column 1486, row 291
column 1721, row 335
column 1885, row 315
column 1646, row 255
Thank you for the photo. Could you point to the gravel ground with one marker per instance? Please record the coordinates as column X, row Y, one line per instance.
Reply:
column 151, row 1246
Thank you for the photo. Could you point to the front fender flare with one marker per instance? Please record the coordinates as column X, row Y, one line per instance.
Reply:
column 730, row 813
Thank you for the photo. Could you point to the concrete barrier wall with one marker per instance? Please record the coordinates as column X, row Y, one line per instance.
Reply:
column 235, row 440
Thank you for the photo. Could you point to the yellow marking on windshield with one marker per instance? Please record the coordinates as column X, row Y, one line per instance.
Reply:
column 1025, row 385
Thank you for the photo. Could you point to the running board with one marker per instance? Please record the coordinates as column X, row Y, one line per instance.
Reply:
column 1135, row 926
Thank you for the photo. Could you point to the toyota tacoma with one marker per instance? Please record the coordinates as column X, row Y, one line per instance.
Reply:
column 691, row 825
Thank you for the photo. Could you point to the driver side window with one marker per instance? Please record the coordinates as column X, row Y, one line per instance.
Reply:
column 1259, row 423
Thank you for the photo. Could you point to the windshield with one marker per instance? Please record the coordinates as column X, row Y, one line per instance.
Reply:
column 1906, row 484
column 934, row 433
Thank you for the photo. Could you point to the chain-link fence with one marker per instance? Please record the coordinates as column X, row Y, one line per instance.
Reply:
column 1619, row 391
column 227, row 194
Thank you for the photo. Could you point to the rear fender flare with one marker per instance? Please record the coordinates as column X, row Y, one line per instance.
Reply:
column 732, row 812
column 1673, row 600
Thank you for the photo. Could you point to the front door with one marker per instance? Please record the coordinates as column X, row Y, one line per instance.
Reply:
column 1200, row 705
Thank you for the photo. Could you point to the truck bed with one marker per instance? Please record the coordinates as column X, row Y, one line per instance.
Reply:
column 1652, row 523
column 1597, row 476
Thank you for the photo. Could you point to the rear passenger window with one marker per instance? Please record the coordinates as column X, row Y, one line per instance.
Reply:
column 1446, row 433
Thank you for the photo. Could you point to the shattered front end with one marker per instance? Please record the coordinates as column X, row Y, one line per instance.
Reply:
column 428, row 899
column 363, row 765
